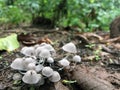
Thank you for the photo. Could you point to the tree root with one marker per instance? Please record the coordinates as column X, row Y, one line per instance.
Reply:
column 89, row 82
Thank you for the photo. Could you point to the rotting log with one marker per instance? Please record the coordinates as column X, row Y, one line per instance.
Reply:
column 87, row 81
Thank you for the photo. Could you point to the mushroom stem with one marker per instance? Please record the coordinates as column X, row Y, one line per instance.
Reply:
column 60, row 68
column 43, row 61
column 68, row 54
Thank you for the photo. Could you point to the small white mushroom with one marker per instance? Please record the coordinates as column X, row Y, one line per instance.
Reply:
column 31, row 66
column 64, row 62
column 39, row 67
column 47, row 71
column 17, row 76
column 55, row 77
column 44, row 53
column 42, row 44
column 17, row 64
column 28, row 51
column 70, row 48
column 76, row 58
column 28, row 60
column 36, row 46
column 45, row 46
column 31, row 77
column 38, row 50
column 50, row 60
column 50, row 48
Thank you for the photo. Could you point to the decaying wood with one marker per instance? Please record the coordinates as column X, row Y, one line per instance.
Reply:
column 89, row 82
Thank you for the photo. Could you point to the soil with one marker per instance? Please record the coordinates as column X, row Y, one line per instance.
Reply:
column 104, row 65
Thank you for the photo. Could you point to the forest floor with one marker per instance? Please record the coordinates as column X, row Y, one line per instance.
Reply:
column 100, row 58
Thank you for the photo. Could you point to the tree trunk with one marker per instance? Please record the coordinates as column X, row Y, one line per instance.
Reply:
column 115, row 28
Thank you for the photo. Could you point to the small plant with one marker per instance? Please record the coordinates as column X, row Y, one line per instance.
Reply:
column 90, row 46
column 38, row 63
column 97, row 53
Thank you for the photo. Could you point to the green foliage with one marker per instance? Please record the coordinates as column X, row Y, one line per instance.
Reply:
column 9, row 43
column 12, row 14
column 87, row 15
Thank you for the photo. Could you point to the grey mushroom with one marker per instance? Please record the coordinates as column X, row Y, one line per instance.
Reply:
column 31, row 77
column 47, row 71
column 70, row 48
column 55, row 77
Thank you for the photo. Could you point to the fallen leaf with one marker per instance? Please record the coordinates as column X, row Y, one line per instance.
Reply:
column 9, row 43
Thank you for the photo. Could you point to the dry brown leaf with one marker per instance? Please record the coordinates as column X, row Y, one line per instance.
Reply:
column 44, row 40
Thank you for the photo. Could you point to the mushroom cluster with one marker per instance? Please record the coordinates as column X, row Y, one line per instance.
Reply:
column 38, row 62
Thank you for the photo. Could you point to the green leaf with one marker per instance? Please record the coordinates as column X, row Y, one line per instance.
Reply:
column 2, row 46
column 9, row 43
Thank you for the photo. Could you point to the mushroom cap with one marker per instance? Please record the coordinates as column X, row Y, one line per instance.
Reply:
column 31, row 66
column 64, row 62
column 36, row 46
column 39, row 67
column 31, row 77
column 17, row 76
column 45, row 53
column 38, row 50
column 47, row 71
column 55, row 77
column 43, row 44
column 70, row 48
column 28, row 60
column 50, row 48
column 76, row 58
column 50, row 60
column 28, row 51
column 17, row 64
